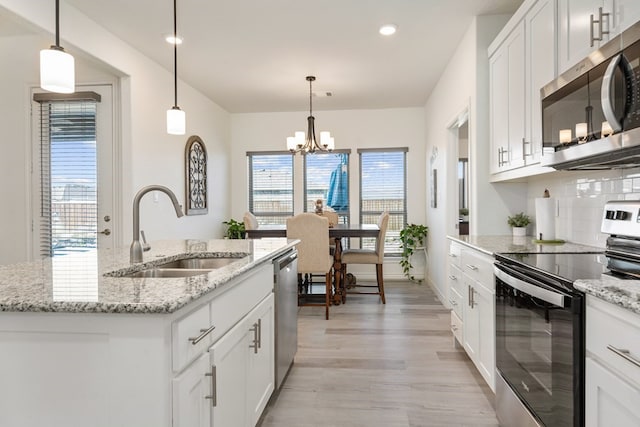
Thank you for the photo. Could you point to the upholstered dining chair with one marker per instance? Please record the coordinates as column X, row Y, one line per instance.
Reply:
column 313, row 250
column 368, row 256
column 250, row 221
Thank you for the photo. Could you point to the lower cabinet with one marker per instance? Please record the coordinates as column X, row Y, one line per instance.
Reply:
column 193, row 394
column 610, row 400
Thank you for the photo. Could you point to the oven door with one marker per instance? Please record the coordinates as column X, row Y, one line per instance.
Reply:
column 539, row 346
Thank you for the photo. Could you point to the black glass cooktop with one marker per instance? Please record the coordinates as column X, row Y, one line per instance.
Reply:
column 568, row 267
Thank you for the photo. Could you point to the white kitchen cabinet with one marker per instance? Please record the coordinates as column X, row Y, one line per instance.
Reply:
column 192, row 394
column 243, row 362
column 612, row 390
column 624, row 13
column 507, row 92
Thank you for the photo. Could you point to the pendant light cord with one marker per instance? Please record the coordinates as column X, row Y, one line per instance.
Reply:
column 57, row 23
column 310, row 97
column 175, row 55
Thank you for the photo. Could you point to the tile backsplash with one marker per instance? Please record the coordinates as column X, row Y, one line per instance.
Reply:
column 580, row 198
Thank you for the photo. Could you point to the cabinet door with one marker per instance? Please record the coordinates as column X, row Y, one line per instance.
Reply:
column 192, row 395
column 484, row 304
column 574, row 36
column 261, row 361
column 499, row 108
column 229, row 357
column 609, row 400
column 517, row 96
column 624, row 13
column 541, row 67
column 471, row 331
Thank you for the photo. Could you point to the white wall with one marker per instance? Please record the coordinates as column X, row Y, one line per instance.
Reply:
column 465, row 85
column 148, row 154
column 352, row 129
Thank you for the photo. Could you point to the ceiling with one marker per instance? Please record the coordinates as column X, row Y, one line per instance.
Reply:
column 253, row 55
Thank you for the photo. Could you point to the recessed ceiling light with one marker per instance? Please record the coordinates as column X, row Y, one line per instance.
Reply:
column 388, row 29
column 169, row 38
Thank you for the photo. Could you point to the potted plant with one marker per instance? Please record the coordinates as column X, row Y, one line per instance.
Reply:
column 412, row 237
column 519, row 223
column 464, row 214
column 235, row 229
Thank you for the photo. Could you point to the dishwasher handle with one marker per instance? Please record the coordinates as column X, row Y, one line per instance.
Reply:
column 287, row 259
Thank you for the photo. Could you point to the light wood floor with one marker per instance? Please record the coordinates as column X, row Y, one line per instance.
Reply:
column 372, row 365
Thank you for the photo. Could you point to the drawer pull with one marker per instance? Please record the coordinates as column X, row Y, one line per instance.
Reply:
column 256, row 341
column 453, row 302
column 454, row 328
column 472, row 267
column 200, row 337
column 453, row 255
column 453, row 277
column 625, row 354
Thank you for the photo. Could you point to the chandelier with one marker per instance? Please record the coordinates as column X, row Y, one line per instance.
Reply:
column 310, row 144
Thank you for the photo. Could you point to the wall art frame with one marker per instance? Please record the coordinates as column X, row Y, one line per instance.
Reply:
column 196, row 186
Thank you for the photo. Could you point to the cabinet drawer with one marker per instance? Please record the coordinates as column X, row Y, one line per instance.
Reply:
column 183, row 334
column 455, row 251
column 612, row 337
column 479, row 267
column 455, row 289
column 228, row 308
column 456, row 327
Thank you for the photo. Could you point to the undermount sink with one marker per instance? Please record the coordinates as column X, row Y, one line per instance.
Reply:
column 182, row 267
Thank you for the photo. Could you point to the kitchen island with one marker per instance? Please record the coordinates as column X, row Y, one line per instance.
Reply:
column 82, row 345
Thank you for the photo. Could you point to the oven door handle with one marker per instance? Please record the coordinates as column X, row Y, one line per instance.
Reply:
column 546, row 295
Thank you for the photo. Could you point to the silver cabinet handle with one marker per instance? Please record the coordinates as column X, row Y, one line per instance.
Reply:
column 599, row 21
column 454, row 328
column 254, row 346
column 625, row 354
column 453, row 255
column 452, row 277
column 469, row 295
column 214, row 390
column 453, row 302
column 260, row 333
column 473, row 297
column 524, row 149
column 472, row 267
column 200, row 337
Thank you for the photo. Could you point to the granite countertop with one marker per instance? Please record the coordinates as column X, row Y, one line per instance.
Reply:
column 491, row 245
column 625, row 293
column 77, row 283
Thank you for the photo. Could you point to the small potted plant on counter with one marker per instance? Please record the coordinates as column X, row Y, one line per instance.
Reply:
column 235, row 229
column 464, row 214
column 519, row 223
column 412, row 237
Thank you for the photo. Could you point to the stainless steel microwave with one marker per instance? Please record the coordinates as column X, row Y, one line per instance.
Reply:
column 591, row 113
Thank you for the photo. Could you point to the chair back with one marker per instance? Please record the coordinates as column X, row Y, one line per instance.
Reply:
column 313, row 251
column 383, row 223
column 332, row 217
column 250, row 221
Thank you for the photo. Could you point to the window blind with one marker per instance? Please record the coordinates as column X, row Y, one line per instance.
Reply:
column 326, row 177
column 383, row 188
column 271, row 186
column 68, row 174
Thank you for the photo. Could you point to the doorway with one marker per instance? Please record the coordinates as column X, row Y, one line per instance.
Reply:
column 73, row 172
column 460, row 166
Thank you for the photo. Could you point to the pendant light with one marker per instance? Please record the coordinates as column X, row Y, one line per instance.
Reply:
column 57, row 67
column 309, row 144
column 176, row 118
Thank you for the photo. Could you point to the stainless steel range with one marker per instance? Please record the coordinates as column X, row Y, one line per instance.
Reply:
column 540, row 336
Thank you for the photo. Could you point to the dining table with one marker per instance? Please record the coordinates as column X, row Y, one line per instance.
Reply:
column 336, row 232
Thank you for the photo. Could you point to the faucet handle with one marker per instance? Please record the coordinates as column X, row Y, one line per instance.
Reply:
column 145, row 245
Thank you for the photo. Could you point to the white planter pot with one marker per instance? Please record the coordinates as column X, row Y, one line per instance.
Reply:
column 418, row 262
column 519, row 231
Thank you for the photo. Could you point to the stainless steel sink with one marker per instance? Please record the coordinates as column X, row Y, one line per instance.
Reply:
column 200, row 263
column 167, row 272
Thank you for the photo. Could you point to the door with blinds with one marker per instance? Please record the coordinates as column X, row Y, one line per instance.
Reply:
column 73, row 171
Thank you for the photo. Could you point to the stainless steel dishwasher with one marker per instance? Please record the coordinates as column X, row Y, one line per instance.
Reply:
column 286, row 313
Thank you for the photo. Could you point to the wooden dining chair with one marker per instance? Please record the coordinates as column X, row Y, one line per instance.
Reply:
column 368, row 256
column 313, row 250
column 250, row 221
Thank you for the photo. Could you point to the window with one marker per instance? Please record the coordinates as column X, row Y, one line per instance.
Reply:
column 326, row 177
column 271, row 186
column 383, row 187
column 68, row 173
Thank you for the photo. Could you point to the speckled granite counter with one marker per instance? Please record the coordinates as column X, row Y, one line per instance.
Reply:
column 625, row 293
column 77, row 283
column 510, row 244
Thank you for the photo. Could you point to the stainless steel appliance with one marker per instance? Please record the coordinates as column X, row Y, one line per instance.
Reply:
column 591, row 113
column 286, row 313
column 540, row 336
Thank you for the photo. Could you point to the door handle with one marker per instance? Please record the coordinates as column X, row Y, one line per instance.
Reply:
column 106, row 231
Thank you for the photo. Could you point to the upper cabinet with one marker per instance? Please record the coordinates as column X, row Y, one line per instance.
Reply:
column 584, row 25
column 521, row 61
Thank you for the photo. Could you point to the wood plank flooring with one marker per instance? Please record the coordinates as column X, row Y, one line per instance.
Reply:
column 373, row 365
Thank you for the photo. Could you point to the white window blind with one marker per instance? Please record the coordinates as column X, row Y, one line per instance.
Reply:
column 383, row 188
column 326, row 177
column 271, row 186
column 68, row 172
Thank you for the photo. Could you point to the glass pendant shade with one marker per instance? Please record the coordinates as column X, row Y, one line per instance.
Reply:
column 176, row 121
column 57, row 70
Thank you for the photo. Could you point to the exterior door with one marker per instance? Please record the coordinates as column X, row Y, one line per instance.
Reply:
column 72, row 174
